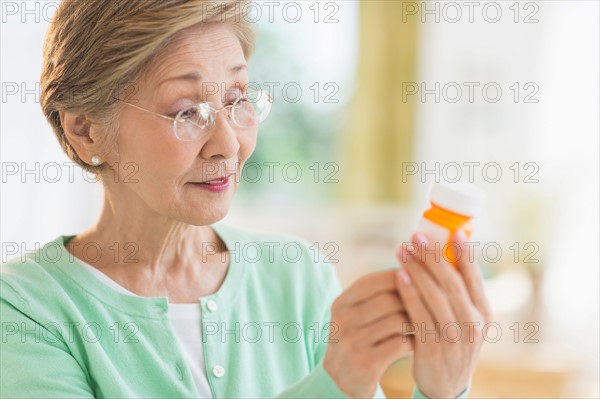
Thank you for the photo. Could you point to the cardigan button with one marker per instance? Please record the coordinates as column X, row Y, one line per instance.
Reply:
column 212, row 306
column 179, row 373
column 218, row 371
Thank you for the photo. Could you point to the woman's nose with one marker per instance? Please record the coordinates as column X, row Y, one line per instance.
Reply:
column 222, row 138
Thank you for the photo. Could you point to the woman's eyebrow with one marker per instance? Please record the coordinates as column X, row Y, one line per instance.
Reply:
column 195, row 76
column 238, row 68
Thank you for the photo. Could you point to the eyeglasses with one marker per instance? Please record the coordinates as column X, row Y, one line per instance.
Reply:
column 247, row 111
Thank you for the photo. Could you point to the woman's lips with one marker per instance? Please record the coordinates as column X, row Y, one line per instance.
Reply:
column 216, row 185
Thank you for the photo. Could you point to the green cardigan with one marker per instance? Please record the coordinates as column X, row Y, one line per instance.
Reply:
column 65, row 334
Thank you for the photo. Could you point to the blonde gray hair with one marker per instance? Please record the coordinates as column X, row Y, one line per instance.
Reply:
column 95, row 49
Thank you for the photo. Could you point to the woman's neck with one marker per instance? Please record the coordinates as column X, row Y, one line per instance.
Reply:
column 136, row 236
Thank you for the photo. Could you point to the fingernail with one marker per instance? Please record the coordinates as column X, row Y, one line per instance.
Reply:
column 403, row 274
column 421, row 239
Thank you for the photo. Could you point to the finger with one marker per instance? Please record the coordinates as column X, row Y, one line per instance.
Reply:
column 404, row 250
column 446, row 276
column 432, row 295
column 471, row 274
column 415, row 308
column 394, row 348
column 430, row 254
column 394, row 324
column 369, row 286
column 376, row 308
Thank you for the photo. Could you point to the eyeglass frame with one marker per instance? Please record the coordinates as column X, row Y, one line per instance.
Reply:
column 213, row 110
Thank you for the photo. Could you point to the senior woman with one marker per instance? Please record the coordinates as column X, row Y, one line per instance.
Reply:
column 157, row 299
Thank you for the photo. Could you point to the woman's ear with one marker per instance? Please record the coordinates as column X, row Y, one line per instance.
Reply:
column 79, row 132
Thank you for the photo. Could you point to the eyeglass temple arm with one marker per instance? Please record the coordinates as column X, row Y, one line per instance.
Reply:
column 147, row 110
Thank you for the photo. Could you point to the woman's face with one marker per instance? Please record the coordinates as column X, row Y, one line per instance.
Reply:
column 206, row 64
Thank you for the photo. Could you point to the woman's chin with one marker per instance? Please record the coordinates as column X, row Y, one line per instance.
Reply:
column 206, row 215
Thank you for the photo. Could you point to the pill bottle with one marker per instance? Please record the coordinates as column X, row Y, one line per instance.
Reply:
column 453, row 206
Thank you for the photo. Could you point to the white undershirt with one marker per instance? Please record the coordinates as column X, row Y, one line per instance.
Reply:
column 185, row 318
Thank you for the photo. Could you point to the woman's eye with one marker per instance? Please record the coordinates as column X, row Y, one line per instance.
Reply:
column 174, row 114
column 186, row 114
column 232, row 98
column 242, row 102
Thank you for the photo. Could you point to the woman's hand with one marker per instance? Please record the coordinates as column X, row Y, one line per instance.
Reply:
column 369, row 319
column 445, row 304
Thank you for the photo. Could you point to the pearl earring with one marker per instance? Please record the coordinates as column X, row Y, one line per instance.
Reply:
column 96, row 160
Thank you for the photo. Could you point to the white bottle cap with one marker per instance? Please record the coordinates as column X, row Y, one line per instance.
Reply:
column 464, row 199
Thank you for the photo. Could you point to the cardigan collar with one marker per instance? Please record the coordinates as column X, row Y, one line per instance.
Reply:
column 149, row 307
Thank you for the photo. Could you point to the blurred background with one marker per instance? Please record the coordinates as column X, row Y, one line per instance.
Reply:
column 374, row 102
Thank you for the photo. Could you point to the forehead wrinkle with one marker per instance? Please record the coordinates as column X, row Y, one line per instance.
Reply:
column 198, row 50
column 182, row 84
